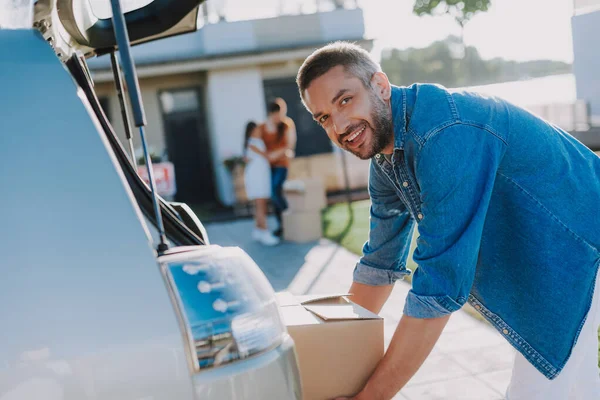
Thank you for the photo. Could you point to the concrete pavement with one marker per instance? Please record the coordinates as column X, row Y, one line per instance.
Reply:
column 471, row 361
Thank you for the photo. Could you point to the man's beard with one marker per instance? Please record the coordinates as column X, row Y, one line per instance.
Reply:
column 382, row 130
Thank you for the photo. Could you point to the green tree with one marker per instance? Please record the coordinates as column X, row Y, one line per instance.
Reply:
column 461, row 10
column 440, row 63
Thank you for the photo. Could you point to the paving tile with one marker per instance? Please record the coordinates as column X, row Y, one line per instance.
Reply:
column 474, row 338
column 461, row 321
column 470, row 361
column 437, row 368
column 280, row 264
column 466, row 388
column 497, row 380
column 485, row 359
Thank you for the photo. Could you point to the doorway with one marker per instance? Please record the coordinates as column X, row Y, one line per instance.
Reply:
column 188, row 144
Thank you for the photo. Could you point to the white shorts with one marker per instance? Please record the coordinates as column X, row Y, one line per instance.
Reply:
column 580, row 379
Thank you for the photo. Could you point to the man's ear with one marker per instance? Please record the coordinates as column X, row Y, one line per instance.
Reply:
column 381, row 85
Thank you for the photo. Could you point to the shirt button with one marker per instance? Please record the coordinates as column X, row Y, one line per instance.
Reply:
column 420, row 216
column 505, row 331
column 378, row 156
column 478, row 307
column 405, row 184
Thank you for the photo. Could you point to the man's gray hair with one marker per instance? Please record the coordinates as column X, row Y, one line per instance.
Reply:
column 355, row 60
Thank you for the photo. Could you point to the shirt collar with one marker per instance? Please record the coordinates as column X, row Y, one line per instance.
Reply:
column 398, row 102
column 398, row 105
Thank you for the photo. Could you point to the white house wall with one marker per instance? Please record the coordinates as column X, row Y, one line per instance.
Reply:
column 235, row 97
column 586, row 61
column 225, row 38
column 342, row 24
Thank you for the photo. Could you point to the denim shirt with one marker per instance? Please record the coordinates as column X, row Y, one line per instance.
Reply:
column 507, row 208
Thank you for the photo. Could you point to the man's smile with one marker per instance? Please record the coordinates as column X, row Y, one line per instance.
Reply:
column 355, row 138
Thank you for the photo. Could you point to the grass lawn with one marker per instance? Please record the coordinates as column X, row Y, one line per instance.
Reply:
column 352, row 229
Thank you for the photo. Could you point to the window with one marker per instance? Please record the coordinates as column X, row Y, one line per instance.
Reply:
column 312, row 139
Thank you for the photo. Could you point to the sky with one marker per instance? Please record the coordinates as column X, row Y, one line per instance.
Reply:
column 512, row 29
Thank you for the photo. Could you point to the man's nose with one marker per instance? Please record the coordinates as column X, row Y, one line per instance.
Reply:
column 340, row 124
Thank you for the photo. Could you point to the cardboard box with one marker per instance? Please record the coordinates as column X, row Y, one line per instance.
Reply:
column 321, row 166
column 338, row 343
column 305, row 194
column 325, row 167
column 298, row 168
column 302, row 227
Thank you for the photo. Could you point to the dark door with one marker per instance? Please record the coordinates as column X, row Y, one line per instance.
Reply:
column 188, row 145
column 312, row 139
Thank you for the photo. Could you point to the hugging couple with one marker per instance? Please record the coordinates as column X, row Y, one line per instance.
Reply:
column 268, row 148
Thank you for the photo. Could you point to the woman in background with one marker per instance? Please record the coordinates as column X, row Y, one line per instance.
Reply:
column 257, row 179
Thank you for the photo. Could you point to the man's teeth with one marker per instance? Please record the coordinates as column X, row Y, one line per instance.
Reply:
column 354, row 136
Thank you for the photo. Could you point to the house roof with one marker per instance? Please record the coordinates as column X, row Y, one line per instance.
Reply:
column 227, row 42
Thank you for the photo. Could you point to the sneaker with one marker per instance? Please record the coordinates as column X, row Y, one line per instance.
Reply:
column 257, row 234
column 268, row 239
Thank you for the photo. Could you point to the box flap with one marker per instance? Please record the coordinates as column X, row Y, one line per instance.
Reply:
column 298, row 316
column 336, row 298
column 294, row 185
column 286, row 299
column 340, row 312
column 301, row 310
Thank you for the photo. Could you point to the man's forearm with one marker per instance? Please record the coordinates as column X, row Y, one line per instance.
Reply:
column 370, row 297
column 292, row 139
column 277, row 154
column 412, row 342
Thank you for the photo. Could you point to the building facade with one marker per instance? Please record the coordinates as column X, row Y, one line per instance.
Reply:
column 585, row 26
column 199, row 91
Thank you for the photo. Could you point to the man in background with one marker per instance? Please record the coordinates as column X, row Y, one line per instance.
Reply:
column 290, row 122
column 279, row 136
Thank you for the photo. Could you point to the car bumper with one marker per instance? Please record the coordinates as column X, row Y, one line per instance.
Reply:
column 273, row 375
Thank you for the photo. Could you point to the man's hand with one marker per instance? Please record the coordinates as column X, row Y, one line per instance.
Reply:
column 412, row 342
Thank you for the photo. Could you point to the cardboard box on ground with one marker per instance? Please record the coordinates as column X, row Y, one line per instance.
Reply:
column 305, row 195
column 338, row 343
column 306, row 198
column 301, row 227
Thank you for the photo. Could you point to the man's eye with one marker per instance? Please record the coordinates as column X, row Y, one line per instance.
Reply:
column 323, row 119
column 346, row 100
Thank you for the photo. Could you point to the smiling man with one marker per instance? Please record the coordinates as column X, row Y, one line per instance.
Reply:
column 506, row 206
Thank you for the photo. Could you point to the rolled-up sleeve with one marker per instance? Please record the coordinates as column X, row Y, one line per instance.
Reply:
column 390, row 232
column 456, row 171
